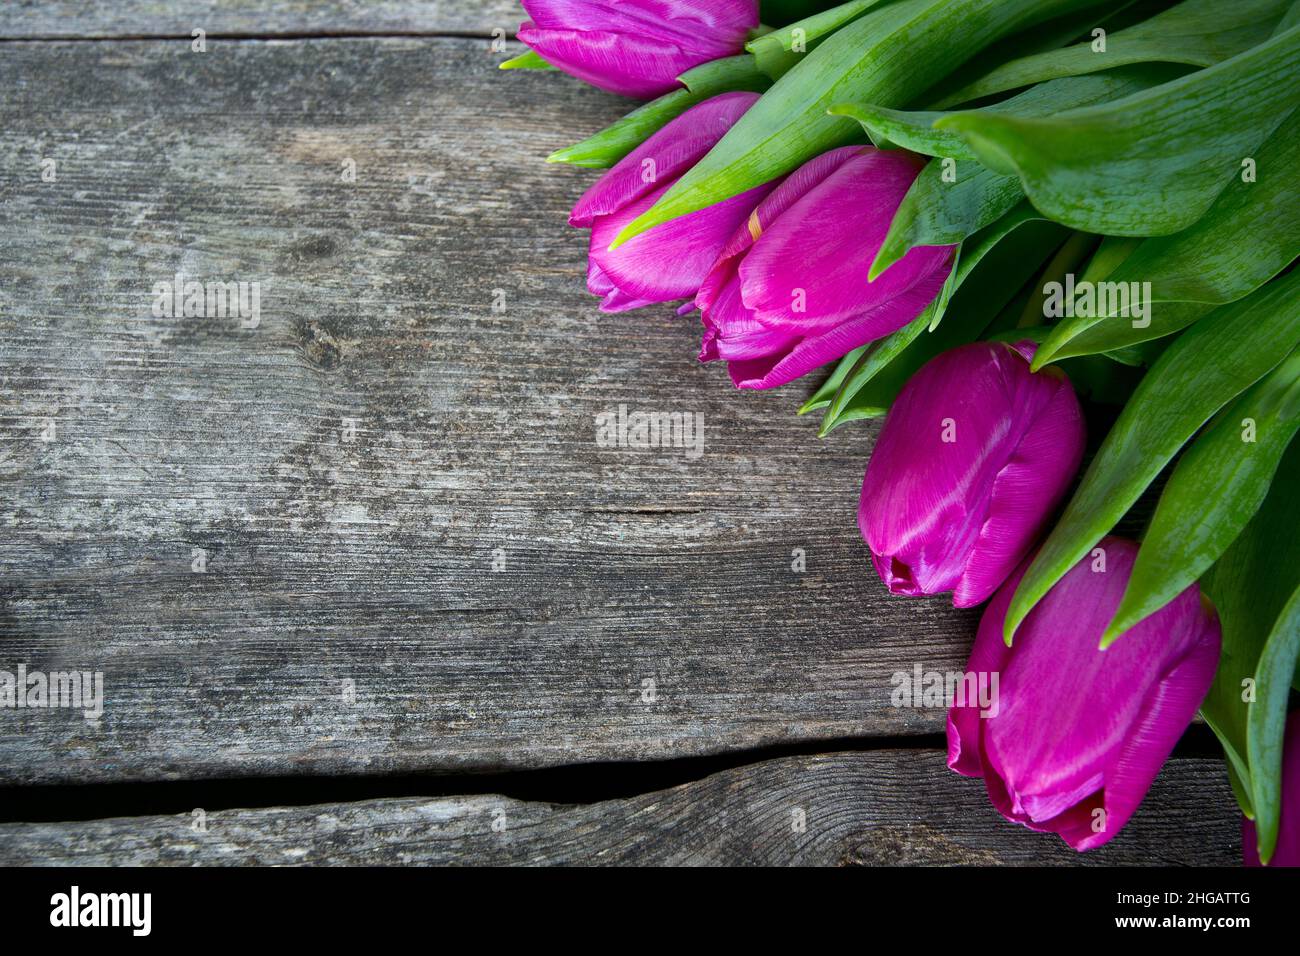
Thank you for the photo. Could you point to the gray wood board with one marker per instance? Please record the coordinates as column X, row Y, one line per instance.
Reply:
column 369, row 558
column 133, row 18
column 878, row 808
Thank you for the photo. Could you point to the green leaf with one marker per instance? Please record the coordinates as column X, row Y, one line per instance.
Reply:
column 1076, row 337
column 775, row 54
column 984, row 280
column 1141, row 355
column 614, row 142
column 1249, row 235
column 1290, row 19
column 880, row 355
column 1209, row 365
column 888, row 56
column 1196, row 33
column 1215, row 490
column 822, row 397
column 1252, row 587
column 1154, row 162
column 974, row 250
column 949, row 200
column 1238, row 787
column 1266, row 723
column 528, row 60
column 915, row 130
column 1041, row 38
column 941, row 209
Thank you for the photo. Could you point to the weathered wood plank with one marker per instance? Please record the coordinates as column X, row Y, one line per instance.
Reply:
column 128, row 18
column 880, row 808
column 495, row 588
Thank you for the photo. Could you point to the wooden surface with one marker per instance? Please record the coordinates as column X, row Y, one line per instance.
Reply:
column 844, row 809
column 260, row 18
column 468, row 582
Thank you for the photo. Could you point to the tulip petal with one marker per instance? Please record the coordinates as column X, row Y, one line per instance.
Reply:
column 1150, row 742
column 732, row 334
column 1080, row 732
column 786, row 194
column 670, row 262
column 948, row 438
column 817, row 350
column 641, row 47
column 795, row 284
column 988, row 656
column 662, row 158
column 613, row 299
column 699, row 24
column 1025, row 492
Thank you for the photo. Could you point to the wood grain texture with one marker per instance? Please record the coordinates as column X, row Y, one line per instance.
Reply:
column 879, row 808
column 135, row 18
column 371, row 560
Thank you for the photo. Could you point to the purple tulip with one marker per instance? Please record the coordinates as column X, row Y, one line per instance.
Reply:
column 1076, row 735
column 636, row 47
column 1287, row 852
column 790, row 292
column 670, row 261
column 974, row 455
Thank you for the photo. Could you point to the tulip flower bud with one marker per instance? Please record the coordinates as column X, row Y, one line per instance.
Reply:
column 1078, row 734
column 974, row 455
column 636, row 47
column 669, row 262
column 1287, row 851
column 790, row 292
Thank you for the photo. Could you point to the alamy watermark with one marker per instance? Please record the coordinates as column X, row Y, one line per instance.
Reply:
column 37, row 690
column 75, row 908
column 1066, row 300
column 922, row 688
column 180, row 298
column 645, row 430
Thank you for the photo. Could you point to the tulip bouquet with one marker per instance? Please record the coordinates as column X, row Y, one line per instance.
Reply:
column 1027, row 234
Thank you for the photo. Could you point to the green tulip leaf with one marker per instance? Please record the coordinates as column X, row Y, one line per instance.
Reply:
column 1072, row 338
column 1214, row 491
column 1197, row 33
column 1151, row 163
column 880, row 355
column 1041, row 38
column 1250, row 234
column 1290, row 19
column 950, row 200
column 822, row 397
column 528, row 60
column 973, row 251
column 1253, row 588
column 1239, row 790
column 888, row 56
column 915, row 130
column 614, row 142
column 954, row 196
column 1208, row 366
column 1266, row 723
column 775, row 53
